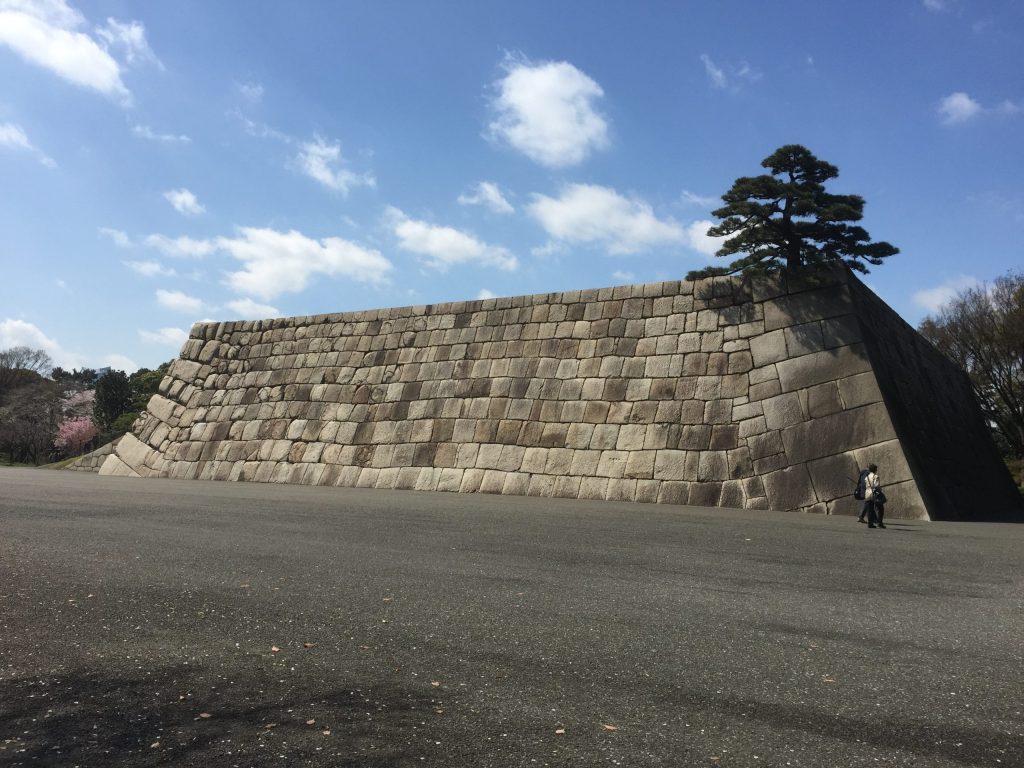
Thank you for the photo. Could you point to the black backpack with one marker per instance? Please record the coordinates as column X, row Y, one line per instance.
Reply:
column 859, row 491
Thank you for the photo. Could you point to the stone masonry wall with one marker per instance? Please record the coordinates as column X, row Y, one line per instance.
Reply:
column 726, row 391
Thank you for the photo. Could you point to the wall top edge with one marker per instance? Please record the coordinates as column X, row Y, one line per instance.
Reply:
column 751, row 288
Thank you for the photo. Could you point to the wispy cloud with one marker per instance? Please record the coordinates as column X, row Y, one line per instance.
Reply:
column 442, row 247
column 145, row 132
column 13, row 137
column 150, row 268
column 487, row 194
column 119, row 238
column 251, row 92
column 321, row 160
column 959, row 107
column 548, row 111
column 130, row 38
column 185, row 247
column 247, row 309
column 486, row 294
column 171, row 337
column 934, row 299
column 623, row 277
column 729, row 76
column 184, row 202
column 694, row 199
column 177, row 301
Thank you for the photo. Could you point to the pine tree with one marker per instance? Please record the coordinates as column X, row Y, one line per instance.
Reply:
column 787, row 219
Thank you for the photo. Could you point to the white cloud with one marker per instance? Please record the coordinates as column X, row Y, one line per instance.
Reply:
column 934, row 299
column 283, row 262
column 587, row 213
column 131, row 39
column 120, row 239
column 958, row 108
column 322, row 161
column 1007, row 107
column 486, row 294
column 176, row 301
column 716, row 75
column 260, row 130
column 19, row 333
column 43, row 33
column 184, row 202
column 181, row 246
column 121, row 363
column 251, row 92
column 697, row 237
column 145, row 132
column 442, row 247
column 150, row 268
column 730, row 76
column 935, row 5
column 624, row 277
column 488, row 194
column 547, row 111
column 549, row 249
column 13, row 137
column 694, row 199
column 247, row 309
column 172, row 337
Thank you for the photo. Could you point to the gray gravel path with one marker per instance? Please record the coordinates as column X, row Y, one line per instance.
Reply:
column 139, row 621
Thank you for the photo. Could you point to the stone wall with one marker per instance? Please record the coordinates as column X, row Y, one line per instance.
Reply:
column 726, row 391
column 91, row 462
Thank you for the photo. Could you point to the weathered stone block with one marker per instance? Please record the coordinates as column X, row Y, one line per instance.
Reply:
column 674, row 492
column 640, row 465
column 819, row 367
column 823, row 400
column 707, row 494
column 838, row 433
column 782, row 410
column 789, row 488
column 768, row 348
column 784, row 311
column 860, row 389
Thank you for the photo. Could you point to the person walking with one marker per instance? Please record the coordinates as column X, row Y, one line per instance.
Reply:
column 874, row 499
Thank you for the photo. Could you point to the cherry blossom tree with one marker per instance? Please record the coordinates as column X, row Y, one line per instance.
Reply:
column 73, row 434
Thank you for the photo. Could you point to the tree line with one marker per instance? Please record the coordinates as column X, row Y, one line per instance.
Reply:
column 48, row 413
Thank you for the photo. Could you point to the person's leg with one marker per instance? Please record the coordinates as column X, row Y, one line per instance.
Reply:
column 880, row 513
column 864, row 512
column 872, row 514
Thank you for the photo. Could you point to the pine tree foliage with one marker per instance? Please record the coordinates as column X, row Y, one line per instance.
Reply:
column 786, row 219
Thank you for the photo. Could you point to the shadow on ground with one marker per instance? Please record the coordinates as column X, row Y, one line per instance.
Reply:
column 155, row 718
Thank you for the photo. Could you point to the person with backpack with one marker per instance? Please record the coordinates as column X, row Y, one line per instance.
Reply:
column 869, row 488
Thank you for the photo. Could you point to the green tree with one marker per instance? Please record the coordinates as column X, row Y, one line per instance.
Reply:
column 787, row 219
column 145, row 383
column 113, row 397
column 982, row 330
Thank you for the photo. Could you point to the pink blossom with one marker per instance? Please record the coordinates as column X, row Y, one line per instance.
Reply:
column 74, row 433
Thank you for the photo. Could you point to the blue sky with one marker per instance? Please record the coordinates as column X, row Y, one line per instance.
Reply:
column 166, row 162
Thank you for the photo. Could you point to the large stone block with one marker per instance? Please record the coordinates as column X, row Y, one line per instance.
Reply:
column 830, row 365
column 789, row 488
column 831, row 301
column 838, row 433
